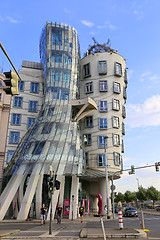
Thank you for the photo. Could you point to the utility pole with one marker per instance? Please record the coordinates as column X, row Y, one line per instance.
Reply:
column 51, row 194
column 106, row 168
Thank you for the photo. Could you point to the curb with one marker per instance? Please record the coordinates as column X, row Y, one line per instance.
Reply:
column 140, row 234
column 9, row 233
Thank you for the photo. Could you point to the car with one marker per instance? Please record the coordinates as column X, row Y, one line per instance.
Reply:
column 130, row 212
column 158, row 208
column 116, row 209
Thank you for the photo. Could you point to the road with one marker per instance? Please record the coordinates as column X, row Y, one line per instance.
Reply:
column 152, row 223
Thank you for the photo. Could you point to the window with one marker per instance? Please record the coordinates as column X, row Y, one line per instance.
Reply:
column 50, row 111
column 38, row 147
column 103, row 87
column 101, row 160
column 9, row 155
column 16, row 119
column 122, row 146
column 0, row 96
column 56, row 93
column 47, row 128
column 56, row 37
column 116, row 87
column 118, row 69
column 87, row 139
column 116, row 140
column 17, row 102
column 125, row 76
column 103, row 106
column 115, row 122
column 33, row 106
column 123, row 112
column 30, row 121
column 116, row 158
column 34, row 87
column 65, row 94
column 103, row 123
column 123, row 128
column 102, row 140
column 124, row 93
column 116, row 104
column 89, row 121
column 57, row 58
column 86, row 70
column 21, row 86
column 102, row 67
column 89, row 87
column 86, row 158
column 14, row 137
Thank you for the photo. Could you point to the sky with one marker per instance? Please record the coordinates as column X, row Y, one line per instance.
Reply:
column 133, row 28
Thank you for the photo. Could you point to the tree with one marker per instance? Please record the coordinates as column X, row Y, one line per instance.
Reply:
column 130, row 196
column 141, row 194
column 119, row 197
column 153, row 194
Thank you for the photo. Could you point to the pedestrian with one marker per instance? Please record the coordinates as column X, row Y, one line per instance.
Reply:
column 81, row 212
column 59, row 213
column 119, row 205
column 43, row 214
column 105, row 210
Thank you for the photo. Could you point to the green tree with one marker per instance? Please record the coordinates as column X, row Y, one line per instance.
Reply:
column 153, row 194
column 141, row 194
column 130, row 196
column 119, row 197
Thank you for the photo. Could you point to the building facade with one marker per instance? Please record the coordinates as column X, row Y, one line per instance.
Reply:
column 5, row 101
column 79, row 109
column 25, row 107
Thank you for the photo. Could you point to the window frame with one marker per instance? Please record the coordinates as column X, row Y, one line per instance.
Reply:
column 88, row 138
column 116, row 139
column 28, row 126
column 15, row 118
column 103, row 160
column 115, row 102
column 89, row 87
column 117, row 121
column 34, row 87
column 86, row 70
column 117, row 163
column 90, row 120
column 29, row 107
column 102, row 67
column 103, row 83
column 8, row 154
column 116, row 87
column 86, row 158
column 21, row 86
column 102, row 142
column 18, row 100
column 101, row 108
column 118, row 69
column 103, row 125
column 10, row 137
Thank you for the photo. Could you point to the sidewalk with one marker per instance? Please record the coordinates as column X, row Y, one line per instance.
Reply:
column 70, row 230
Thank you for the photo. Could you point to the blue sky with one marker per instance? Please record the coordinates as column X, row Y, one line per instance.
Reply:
column 133, row 28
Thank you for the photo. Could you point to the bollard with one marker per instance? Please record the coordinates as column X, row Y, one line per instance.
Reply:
column 120, row 219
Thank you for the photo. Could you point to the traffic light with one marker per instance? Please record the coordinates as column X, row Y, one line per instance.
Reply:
column 132, row 170
column 157, row 166
column 51, row 185
column 11, row 82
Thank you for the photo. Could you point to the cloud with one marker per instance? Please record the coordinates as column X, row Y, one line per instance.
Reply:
column 149, row 76
column 145, row 115
column 87, row 23
column 107, row 24
column 92, row 33
column 139, row 14
column 67, row 11
column 10, row 19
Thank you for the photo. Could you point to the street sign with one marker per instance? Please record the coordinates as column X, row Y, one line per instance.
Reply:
column 113, row 187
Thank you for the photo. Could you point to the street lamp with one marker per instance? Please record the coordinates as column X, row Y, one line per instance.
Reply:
column 106, row 170
column 137, row 182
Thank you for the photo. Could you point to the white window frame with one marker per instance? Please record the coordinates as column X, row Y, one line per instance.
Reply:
column 118, row 69
column 102, row 67
column 117, row 158
column 116, row 87
column 115, row 122
column 104, row 107
column 87, row 139
column 103, row 86
column 101, row 141
column 89, row 87
column 86, row 70
column 103, row 164
column 116, row 139
column 116, row 104
column 103, row 125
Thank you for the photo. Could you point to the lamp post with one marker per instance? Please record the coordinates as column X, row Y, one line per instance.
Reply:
column 106, row 170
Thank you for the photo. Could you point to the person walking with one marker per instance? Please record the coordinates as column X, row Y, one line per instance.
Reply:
column 105, row 210
column 43, row 214
column 59, row 213
column 81, row 212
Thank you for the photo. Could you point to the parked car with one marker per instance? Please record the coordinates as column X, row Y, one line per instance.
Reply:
column 130, row 212
column 158, row 208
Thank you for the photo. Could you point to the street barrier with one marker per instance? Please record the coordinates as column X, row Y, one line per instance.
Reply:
column 120, row 219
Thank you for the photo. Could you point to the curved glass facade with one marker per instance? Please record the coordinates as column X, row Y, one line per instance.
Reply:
column 53, row 139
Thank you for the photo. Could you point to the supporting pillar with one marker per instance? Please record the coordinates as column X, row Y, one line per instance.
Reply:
column 102, row 191
column 20, row 191
column 61, row 196
column 74, row 203
column 39, row 196
column 54, row 204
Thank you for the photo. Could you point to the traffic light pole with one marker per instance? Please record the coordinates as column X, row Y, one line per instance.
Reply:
column 106, row 171
column 10, row 60
column 50, row 220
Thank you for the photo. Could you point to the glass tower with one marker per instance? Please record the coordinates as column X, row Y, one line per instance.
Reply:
column 53, row 140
